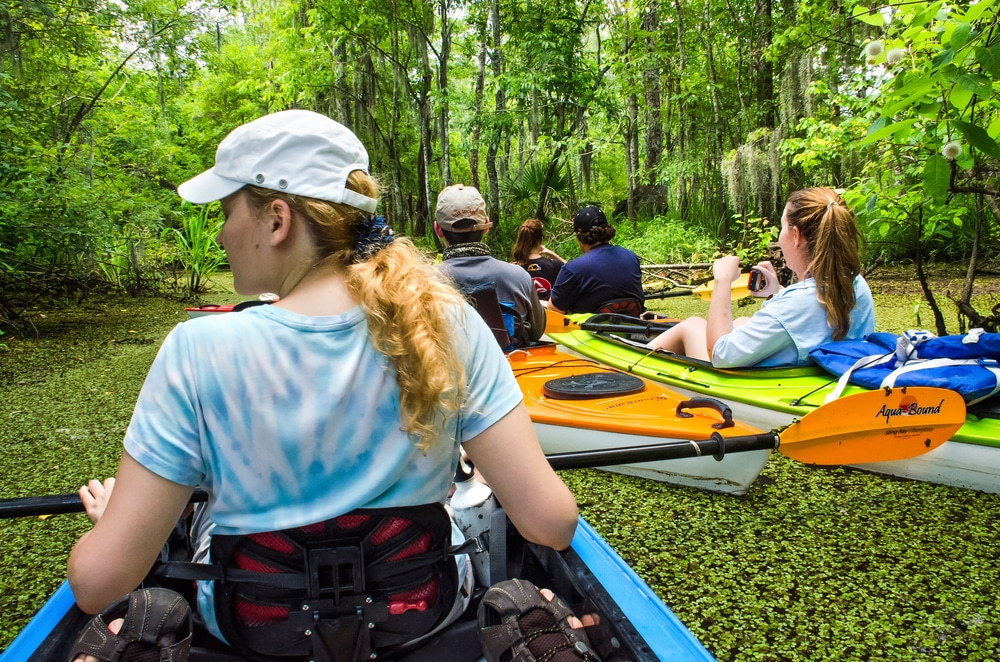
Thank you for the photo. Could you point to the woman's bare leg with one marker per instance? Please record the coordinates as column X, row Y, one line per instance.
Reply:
column 687, row 338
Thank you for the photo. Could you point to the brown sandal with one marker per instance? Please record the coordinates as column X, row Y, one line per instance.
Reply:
column 157, row 628
column 517, row 624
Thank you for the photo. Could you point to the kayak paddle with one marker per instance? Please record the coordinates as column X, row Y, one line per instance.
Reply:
column 874, row 426
column 559, row 323
column 740, row 289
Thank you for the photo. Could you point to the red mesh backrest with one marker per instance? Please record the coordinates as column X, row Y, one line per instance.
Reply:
column 254, row 615
column 313, row 529
column 351, row 521
column 419, row 546
column 246, row 563
column 630, row 307
column 427, row 592
column 390, row 530
column 272, row 541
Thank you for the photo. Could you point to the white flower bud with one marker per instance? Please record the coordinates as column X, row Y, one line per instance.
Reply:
column 874, row 48
column 951, row 150
column 895, row 56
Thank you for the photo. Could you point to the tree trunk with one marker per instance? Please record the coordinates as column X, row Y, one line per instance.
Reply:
column 340, row 83
column 549, row 174
column 970, row 274
column 500, row 101
column 158, row 65
column 477, row 106
column 422, row 94
column 534, row 119
column 918, row 261
column 651, row 78
column 717, row 131
column 683, row 131
column 763, row 67
column 445, row 54
column 11, row 42
column 399, row 88
column 631, row 154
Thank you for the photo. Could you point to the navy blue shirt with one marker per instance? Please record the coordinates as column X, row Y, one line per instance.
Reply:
column 544, row 272
column 602, row 274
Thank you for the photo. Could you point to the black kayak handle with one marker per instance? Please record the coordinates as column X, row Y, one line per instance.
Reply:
column 711, row 403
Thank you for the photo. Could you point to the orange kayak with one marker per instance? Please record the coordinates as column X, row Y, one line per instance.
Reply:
column 577, row 404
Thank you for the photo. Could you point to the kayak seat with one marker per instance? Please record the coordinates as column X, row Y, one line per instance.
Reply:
column 988, row 408
column 362, row 584
column 459, row 642
column 509, row 330
column 486, row 303
column 625, row 306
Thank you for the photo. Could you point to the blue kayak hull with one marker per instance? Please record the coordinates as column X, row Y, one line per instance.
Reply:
column 645, row 625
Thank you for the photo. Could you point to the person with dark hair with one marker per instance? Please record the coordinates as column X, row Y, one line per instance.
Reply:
column 461, row 222
column 309, row 421
column 542, row 264
column 830, row 300
column 606, row 278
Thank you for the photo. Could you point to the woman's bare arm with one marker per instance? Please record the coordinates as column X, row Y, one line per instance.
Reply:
column 111, row 559
column 536, row 500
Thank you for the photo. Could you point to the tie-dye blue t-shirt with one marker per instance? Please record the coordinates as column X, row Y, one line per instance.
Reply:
column 288, row 420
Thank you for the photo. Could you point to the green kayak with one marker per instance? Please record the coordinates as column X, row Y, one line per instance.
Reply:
column 771, row 397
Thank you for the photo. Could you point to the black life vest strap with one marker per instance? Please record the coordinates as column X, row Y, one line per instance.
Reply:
column 208, row 572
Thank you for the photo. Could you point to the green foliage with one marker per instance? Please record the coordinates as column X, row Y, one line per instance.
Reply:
column 196, row 246
column 751, row 238
column 900, row 222
column 937, row 124
column 665, row 240
column 522, row 191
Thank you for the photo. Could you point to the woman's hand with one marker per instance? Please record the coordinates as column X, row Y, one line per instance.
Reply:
column 94, row 496
column 726, row 269
column 771, row 284
column 552, row 255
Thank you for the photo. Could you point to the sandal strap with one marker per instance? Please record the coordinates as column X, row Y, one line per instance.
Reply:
column 512, row 599
column 155, row 618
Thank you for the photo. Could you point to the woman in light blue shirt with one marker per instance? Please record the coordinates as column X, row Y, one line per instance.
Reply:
column 357, row 389
column 830, row 301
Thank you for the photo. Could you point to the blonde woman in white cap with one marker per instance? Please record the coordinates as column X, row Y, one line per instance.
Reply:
column 353, row 391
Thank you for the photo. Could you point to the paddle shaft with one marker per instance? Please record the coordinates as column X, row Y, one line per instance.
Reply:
column 649, row 330
column 716, row 446
column 738, row 291
column 58, row 504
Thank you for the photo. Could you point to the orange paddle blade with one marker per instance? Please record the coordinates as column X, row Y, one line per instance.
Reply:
column 875, row 426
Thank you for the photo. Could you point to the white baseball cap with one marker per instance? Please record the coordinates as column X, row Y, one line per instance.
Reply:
column 458, row 203
column 294, row 151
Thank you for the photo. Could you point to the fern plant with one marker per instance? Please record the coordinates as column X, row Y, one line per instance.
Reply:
column 196, row 246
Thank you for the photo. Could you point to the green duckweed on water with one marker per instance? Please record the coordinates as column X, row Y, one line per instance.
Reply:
column 812, row 564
